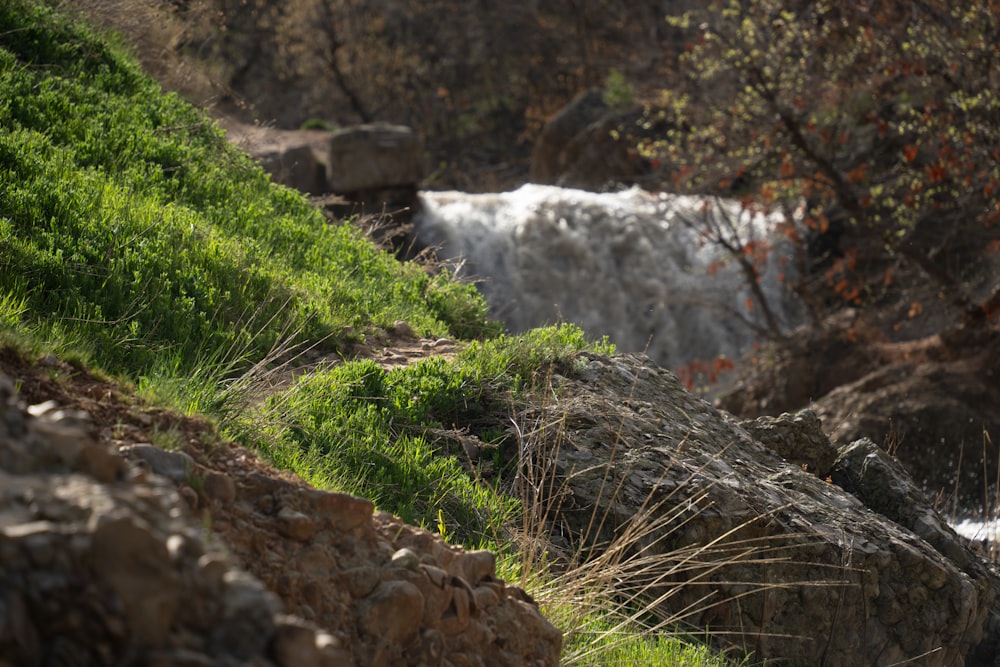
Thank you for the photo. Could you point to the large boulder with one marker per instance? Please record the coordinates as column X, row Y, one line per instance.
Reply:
column 933, row 402
column 762, row 532
column 373, row 157
column 547, row 162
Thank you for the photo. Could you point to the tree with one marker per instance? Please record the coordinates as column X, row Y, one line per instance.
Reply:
column 883, row 111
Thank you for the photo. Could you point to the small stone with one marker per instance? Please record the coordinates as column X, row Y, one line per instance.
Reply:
column 100, row 463
column 403, row 329
column 475, row 566
column 39, row 409
column 343, row 511
column 485, row 597
column 360, row 581
column 406, row 558
column 221, row 487
column 176, row 466
column 295, row 525
column 392, row 613
column 295, row 644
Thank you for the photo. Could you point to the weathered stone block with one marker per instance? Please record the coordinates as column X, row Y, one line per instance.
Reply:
column 375, row 157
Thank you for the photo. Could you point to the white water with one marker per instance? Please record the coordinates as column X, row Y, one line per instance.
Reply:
column 619, row 264
column 978, row 530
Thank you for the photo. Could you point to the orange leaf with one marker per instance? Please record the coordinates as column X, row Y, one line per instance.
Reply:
column 910, row 151
column 935, row 173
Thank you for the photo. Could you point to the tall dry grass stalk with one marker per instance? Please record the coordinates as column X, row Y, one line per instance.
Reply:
column 603, row 591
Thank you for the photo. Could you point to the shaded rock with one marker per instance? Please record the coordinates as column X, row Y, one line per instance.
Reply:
column 932, row 401
column 296, row 158
column 297, row 167
column 784, row 556
column 174, row 465
column 135, row 564
column 593, row 146
column 932, row 416
column 392, row 613
column 546, row 157
column 797, row 438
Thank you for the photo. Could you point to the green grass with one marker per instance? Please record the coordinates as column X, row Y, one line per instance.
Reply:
column 135, row 239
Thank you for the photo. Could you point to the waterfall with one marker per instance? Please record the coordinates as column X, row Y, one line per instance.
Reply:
column 630, row 265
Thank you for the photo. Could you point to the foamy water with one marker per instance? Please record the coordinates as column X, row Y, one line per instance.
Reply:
column 620, row 264
column 980, row 531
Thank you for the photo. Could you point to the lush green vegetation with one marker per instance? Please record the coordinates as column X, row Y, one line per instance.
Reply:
column 135, row 239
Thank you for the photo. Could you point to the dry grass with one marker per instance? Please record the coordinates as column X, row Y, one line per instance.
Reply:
column 606, row 594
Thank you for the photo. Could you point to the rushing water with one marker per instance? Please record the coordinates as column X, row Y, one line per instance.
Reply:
column 629, row 265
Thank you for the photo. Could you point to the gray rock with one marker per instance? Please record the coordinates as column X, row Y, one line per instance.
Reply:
column 176, row 466
column 295, row 166
column 791, row 563
column 376, row 156
column 798, row 438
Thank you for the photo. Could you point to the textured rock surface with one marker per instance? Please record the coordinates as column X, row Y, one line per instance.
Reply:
column 375, row 157
column 857, row 570
column 934, row 402
column 105, row 562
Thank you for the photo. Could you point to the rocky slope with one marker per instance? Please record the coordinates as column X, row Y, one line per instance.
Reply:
column 116, row 551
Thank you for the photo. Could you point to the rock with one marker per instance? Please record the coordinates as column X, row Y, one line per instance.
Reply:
column 376, row 156
column 295, row 525
column 345, row 512
column 297, row 167
column 177, row 466
column 546, row 157
column 136, row 565
column 220, row 487
column 592, row 146
column 882, row 484
column 706, row 497
column 929, row 401
column 798, row 438
column 296, row 158
column 932, row 416
column 392, row 613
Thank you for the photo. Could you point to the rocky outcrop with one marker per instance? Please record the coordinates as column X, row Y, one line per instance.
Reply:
column 546, row 157
column 764, row 530
column 104, row 561
column 934, row 401
column 592, row 146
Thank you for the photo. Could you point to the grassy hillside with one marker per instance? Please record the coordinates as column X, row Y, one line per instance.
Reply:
column 133, row 235
column 136, row 240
